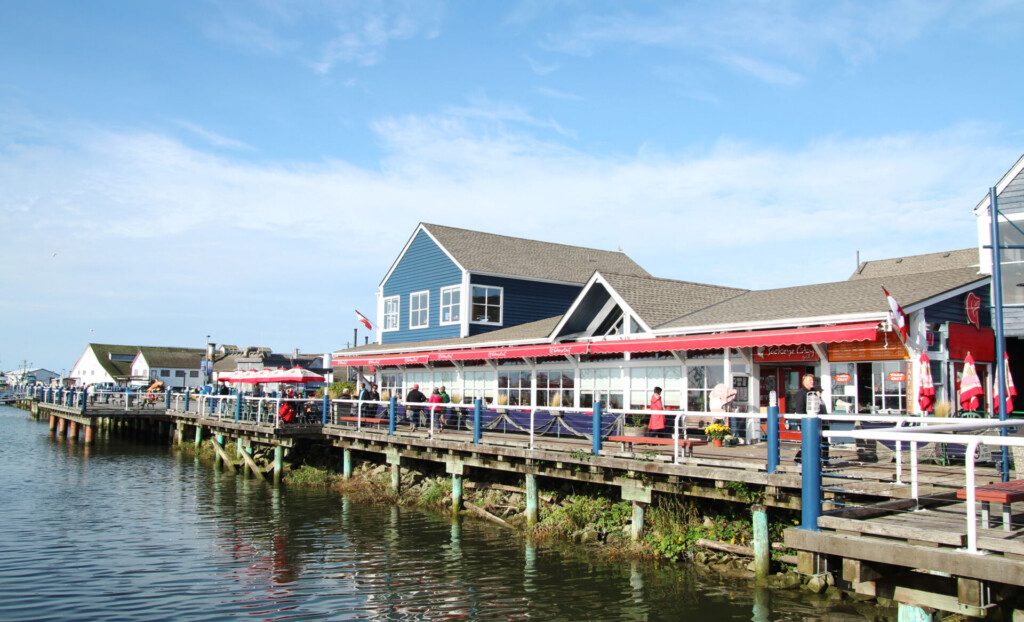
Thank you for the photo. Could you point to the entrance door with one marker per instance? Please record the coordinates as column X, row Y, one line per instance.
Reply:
column 784, row 380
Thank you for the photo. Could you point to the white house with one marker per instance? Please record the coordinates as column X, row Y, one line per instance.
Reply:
column 31, row 376
column 176, row 367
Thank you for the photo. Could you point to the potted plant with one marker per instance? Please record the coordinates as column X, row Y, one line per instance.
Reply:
column 716, row 432
column 634, row 425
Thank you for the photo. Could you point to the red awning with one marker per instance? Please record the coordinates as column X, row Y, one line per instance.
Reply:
column 863, row 331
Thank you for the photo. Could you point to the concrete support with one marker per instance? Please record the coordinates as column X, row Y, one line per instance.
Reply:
column 179, row 434
column 88, row 434
column 636, row 527
column 762, row 546
column 346, row 464
column 532, row 504
column 278, row 463
column 456, row 494
column 913, row 613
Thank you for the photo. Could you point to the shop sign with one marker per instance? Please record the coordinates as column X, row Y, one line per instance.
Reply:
column 785, row 354
column 842, row 378
column 897, row 376
column 981, row 343
column 972, row 305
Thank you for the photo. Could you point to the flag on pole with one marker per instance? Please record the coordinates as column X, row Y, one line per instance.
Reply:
column 926, row 388
column 970, row 385
column 362, row 318
column 896, row 315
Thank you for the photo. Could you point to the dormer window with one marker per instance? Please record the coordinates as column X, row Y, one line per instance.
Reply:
column 486, row 304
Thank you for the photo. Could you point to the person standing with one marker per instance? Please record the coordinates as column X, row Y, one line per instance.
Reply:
column 435, row 411
column 445, row 399
column 413, row 410
column 657, row 421
column 798, row 406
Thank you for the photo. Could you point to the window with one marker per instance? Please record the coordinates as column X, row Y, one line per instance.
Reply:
column 391, row 304
column 486, row 304
column 644, row 379
column 419, row 309
column 165, row 373
column 479, row 384
column 193, row 374
column 1012, row 261
column 554, row 388
column 702, row 379
column 514, row 388
column 390, row 385
column 601, row 384
column 179, row 373
column 422, row 378
column 451, row 305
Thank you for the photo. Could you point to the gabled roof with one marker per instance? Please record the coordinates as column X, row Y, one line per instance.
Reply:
column 915, row 264
column 657, row 301
column 1001, row 185
column 172, row 358
column 115, row 369
column 531, row 332
column 857, row 297
column 489, row 253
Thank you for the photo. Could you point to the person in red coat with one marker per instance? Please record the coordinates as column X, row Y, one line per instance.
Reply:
column 657, row 422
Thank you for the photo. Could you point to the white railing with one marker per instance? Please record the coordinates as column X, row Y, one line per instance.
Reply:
column 944, row 433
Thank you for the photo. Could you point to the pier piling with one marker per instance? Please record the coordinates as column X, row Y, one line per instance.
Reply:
column 62, row 427
column 73, row 431
column 278, row 463
column 636, row 527
column 762, row 546
column 456, row 494
column 394, row 459
column 88, row 435
column 53, row 423
column 346, row 464
column 199, row 435
column 531, row 499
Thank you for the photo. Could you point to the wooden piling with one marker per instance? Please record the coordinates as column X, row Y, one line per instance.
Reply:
column 346, row 464
column 278, row 463
column 73, row 431
column 531, row 500
column 53, row 423
column 62, row 427
column 88, row 435
column 456, row 494
column 762, row 546
column 199, row 436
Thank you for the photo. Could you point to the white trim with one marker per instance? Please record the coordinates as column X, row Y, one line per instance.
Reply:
column 441, row 305
column 824, row 320
column 380, row 315
column 627, row 311
column 963, row 289
column 405, row 249
column 1001, row 185
column 425, row 307
column 464, row 330
column 501, row 305
column 384, row 315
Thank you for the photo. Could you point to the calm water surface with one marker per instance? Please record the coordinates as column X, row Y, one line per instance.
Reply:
column 127, row 530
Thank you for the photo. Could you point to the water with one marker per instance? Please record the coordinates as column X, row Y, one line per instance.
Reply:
column 131, row 531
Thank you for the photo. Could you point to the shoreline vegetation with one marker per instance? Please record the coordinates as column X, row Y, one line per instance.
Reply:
column 711, row 536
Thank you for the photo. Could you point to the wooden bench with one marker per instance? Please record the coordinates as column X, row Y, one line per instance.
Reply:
column 1003, row 493
column 686, row 443
column 363, row 419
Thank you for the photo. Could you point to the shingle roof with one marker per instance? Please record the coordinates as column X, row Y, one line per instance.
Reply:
column 862, row 295
column 916, row 264
column 657, row 301
column 490, row 253
column 116, row 369
column 531, row 331
column 173, row 358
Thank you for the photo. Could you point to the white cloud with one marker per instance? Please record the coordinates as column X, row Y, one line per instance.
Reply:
column 158, row 240
column 214, row 139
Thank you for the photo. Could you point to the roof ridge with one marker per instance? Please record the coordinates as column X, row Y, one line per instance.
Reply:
column 522, row 239
column 666, row 279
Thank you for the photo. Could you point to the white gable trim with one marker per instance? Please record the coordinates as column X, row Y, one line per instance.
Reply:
column 405, row 249
column 626, row 309
column 1001, row 185
column 963, row 289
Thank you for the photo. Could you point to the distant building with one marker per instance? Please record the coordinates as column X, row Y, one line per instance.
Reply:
column 231, row 358
column 31, row 376
column 102, row 363
column 176, row 367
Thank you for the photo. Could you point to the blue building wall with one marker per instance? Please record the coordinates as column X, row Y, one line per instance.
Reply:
column 526, row 301
column 423, row 267
column 954, row 309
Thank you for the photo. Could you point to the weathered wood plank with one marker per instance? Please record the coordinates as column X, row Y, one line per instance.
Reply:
column 902, row 532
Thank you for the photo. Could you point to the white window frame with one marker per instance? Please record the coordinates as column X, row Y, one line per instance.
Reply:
column 425, row 307
column 397, row 325
column 501, row 305
column 455, row 308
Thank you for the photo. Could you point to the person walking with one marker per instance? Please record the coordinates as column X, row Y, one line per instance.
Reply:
column 657, row 421
column 412, row 409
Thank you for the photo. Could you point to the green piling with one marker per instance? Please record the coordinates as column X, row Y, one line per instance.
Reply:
column 278, row 462
column 199, row 436
column 346, row 464
column 531, row 499
column 456, row 494
column 762, row 546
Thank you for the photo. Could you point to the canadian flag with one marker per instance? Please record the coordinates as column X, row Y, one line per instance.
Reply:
column 1011, row 391
column 896, row 315
column 362, row 318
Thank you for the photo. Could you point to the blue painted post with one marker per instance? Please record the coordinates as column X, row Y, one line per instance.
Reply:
column 997, row 307
column 810, row 495
column 596, row 429
column 167, row 398
column 238, row 405
column 325, row 408
column 392, row 407
column 478, row 407
column 186, row 401
column 773, row 432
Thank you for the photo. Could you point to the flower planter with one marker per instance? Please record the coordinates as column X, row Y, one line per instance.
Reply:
column 634, row 430
column 716, row 442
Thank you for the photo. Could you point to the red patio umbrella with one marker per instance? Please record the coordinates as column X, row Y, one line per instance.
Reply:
column 1011, row 391
column 970, row 385
column 926, row 388
column 295, row 375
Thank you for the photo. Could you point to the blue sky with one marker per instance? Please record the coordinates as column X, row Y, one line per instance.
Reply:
column 249, row 170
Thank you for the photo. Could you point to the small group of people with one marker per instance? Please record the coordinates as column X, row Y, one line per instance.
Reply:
column 414, row 412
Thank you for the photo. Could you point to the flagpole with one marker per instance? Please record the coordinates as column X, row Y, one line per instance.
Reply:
column 997, row 303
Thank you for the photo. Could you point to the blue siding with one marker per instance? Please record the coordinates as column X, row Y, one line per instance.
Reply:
column 423, row 267
column 953, row 309
column 526, row 301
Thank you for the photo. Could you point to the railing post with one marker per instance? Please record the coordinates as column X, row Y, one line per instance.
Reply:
column 325, row 416
column 773, row 432
column 596, row 429
column 478, row 407
column 238, row 405
column 392, row 407
column 186, row 401
column 167, row 398
column 810, row 494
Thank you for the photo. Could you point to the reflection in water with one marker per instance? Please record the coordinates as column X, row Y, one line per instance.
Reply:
column 131, row 533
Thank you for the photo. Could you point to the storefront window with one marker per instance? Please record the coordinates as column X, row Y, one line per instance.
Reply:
column 554, row 388
column 422, row 378
column 702, row 378
column 479, row 384
column 390, row 385
column 844, row 388
column 603, row 384
column 514, row 388
column 888, row 386
column 644, row 379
